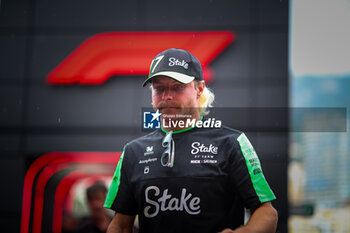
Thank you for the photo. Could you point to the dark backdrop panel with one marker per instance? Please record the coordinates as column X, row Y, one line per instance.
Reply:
column 36, row 119
column 272, row 96
column 232, row 67
column 86, row 14
column 95, row 106
column 12, row 59
column 11, row 106
column 232, row 96
column 14, row 13
column 89, row 141
column 12, row 173
column 272, row 13
column 272, row 48
column 10, row 144
column 199, row 14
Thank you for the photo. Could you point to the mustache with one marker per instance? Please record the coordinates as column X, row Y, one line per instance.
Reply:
column 162, row 105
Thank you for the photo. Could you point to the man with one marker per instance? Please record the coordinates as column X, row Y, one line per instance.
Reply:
column 185, row 178
column 99, row 220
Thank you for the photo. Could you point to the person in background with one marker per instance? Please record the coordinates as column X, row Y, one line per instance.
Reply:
column 99, row 219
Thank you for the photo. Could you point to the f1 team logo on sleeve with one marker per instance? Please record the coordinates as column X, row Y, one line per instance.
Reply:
column 151, row 120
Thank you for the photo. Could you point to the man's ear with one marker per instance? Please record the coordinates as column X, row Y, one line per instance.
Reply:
column 200, row 88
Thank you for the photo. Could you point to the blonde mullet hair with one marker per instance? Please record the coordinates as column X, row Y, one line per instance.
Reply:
column 205, row 100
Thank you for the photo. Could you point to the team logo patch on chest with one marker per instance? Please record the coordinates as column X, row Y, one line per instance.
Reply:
column 149, row 151
column 203, row 153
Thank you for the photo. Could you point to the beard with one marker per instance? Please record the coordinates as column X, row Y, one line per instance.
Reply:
column 174, row 111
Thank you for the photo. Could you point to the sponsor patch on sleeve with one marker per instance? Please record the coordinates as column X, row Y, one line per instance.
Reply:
column 258, row 180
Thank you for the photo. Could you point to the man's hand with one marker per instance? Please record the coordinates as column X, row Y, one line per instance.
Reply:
column 227, row 231
column 263, row 220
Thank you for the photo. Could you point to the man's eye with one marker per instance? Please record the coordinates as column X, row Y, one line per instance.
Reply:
column 177, row 87
column 159, row 89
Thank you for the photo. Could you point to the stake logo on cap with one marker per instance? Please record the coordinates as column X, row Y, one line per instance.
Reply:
column 177, row 64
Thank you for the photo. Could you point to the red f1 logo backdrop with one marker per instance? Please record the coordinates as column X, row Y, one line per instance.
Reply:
column 50, row 177
column 131, row 53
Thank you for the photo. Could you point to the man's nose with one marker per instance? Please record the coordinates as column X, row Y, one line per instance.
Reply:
column 167, row 95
